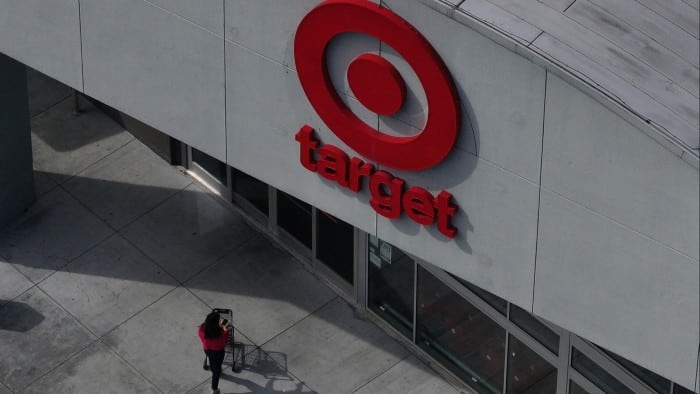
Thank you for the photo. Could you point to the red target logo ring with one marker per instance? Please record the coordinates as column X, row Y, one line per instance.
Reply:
column 334, row 17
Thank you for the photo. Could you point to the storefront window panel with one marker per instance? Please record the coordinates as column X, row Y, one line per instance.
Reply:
column 656, row 382
column 678, row 389
column 527, row 371
column 252, row 190
column 596, row 374
column 575, row 388
column 335, row 244
column 459, row 335
column 211, row 165
column 495, row 301
column 390, row 284
column 535, row 328
column 294, row 216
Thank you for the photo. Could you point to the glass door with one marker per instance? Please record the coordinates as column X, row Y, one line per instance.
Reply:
column 335, row 246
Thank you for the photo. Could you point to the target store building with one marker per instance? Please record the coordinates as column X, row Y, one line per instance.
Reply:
column 510, row 188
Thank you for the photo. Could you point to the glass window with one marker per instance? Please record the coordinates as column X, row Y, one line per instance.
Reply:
column 596, row 374
column 390, row 284
column 535, row 328
column 294, row 216
column 656, row 382
column 678, row 389
column 495, row 301
column 575, row 388
column 251, row 189
column 211, row 165
column 335, row 245
column 458, row 335
column 527, row 371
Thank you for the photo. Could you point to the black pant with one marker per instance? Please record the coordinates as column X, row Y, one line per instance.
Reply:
column 216, row 358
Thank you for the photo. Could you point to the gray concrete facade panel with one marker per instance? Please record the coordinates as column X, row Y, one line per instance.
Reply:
column 496, row 222
column 594, row 157
column 673, row 126
column 502, row 107
column 617, row 288
column 157, row 67
column 208, row 14
column 44, row 35
column 273, row 38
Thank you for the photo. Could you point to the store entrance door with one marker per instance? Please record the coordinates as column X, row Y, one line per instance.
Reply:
column 335, row 249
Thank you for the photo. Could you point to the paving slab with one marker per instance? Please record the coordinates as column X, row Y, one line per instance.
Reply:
column 55, row 230
column 265, row 375
column 407, row 377
column 161, row 342
column 44, row 92
column 12, row 282
column 188, row 232
column 94, row 370
column 334, row 351
column 108, row 284
column 36, row 335
column 268, row 288
column 64, row 144
column 126, row 184
column 43, row 183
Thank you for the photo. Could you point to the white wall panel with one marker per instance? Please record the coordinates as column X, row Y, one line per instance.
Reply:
column 502, row 92
column 44, row 35
column 496, row 222
column 265, row 108
column 597, row 159
column 617, row 288
column 266, row 26
column 206, row 13
column 158, row 68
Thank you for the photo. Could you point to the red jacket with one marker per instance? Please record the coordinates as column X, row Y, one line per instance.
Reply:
column 214, row 343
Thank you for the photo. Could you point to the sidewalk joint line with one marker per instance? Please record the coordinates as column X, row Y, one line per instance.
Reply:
column 51, row 106
column 302, row 319
column 373, row 378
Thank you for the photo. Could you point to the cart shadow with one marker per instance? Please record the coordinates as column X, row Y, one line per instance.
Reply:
column 261, row 371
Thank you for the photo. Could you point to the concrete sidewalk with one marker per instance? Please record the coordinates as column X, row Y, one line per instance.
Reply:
column 104, row 281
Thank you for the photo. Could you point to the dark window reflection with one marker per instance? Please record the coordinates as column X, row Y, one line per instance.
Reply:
column 678, row 389
column 251, row 189
column 576, row 389
column 335, row 244
column 294, row 216
column 458, row 335
column 596, row 374
column 390, row 284
column 658, row 383
column 535, row 328
column 495, row 301
column 527, row 371
column 211, row 165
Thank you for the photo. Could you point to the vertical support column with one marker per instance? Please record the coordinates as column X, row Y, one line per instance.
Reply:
column 16, row 175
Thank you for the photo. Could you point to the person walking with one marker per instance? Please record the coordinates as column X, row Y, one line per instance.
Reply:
column 214, row 336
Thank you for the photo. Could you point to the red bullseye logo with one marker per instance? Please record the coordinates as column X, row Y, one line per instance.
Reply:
column 377, row 84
